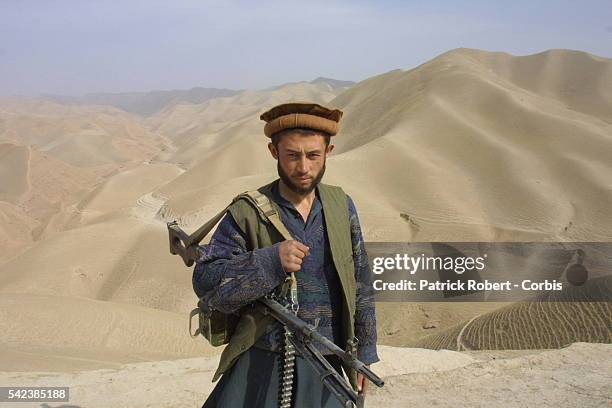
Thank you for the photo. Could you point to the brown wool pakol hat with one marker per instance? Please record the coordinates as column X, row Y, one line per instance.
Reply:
column 301, row 115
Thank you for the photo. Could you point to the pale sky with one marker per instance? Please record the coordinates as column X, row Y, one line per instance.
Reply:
column 73, row 47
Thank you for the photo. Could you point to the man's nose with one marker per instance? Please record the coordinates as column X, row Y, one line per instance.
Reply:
column 303, row 165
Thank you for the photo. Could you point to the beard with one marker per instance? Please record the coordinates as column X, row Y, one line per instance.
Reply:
column 294, row 187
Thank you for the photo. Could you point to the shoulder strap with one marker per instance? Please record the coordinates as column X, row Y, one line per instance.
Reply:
column 267, row 211
column 260, row 201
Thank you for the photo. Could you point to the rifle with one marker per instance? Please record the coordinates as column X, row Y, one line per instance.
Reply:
column 301, row 334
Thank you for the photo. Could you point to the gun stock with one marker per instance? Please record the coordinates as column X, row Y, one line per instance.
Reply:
column 179, row 244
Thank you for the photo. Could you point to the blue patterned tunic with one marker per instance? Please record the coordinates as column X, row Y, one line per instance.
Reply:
column 228, row 276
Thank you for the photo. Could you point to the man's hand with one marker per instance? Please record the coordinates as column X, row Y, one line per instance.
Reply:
column 291, row 253
column 362, row 383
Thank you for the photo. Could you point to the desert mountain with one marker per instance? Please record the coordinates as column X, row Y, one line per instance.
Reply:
column 466, row 146
column 146, row 103
column 201, row 132
column 84, row 136
column 53, row 155
column 334, row 83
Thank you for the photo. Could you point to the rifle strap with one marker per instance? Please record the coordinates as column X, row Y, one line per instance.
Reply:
column 269, row 214
column 265, row 209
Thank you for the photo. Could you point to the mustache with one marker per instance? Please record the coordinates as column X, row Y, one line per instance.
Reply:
column 287, row 180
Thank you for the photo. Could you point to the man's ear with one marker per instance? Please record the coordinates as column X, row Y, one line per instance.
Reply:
column 273, row 150
column 329, row 149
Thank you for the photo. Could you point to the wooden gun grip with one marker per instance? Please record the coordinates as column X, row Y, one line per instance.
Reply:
column 177, row 238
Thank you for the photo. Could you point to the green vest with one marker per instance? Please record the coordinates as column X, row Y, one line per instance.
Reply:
column 252, row 323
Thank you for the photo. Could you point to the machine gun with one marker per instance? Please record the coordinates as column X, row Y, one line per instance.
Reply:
column 300, row 334
column 303, row 336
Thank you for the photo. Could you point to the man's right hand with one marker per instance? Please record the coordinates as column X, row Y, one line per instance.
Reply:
column 291, row 254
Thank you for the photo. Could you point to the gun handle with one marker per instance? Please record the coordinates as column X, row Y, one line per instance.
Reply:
column 177, row 238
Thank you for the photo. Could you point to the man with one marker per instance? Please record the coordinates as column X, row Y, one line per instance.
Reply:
column 247, row 259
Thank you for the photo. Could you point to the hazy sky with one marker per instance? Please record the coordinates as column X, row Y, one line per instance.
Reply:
column 78, row 46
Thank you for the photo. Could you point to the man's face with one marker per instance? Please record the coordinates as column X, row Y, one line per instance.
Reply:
column 301, row 160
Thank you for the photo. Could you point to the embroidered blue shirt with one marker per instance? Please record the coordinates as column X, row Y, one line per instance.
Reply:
column 228, row 276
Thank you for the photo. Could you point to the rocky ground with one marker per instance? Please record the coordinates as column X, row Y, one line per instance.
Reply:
column 577, row 376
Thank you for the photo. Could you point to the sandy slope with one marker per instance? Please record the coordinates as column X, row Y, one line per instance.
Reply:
column 91, row 333
column 119, row 259
column 36, row 180
column 571, row 377
column 34, row 187
column 514, row 164
column 125, row 190
column 15, row 230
